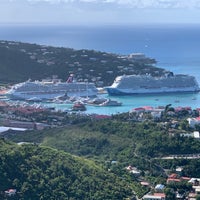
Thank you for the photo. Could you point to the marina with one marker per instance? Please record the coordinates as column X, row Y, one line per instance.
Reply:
column 125, row 103
column 129, row 102
column 126, row 93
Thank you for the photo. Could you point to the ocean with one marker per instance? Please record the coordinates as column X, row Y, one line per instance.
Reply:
column 175, row 47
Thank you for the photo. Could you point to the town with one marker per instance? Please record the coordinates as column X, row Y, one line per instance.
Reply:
column 19, row 119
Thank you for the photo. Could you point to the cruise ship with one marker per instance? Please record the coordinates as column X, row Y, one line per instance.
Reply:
column 146, row 84
column 50, row 89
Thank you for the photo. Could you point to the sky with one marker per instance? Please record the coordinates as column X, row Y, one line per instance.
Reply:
column 94, row 12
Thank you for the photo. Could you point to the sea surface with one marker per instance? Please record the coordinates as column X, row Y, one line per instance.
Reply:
column 175, row 47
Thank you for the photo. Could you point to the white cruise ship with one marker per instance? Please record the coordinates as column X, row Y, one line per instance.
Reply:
column 51, row 89
column 146, row 84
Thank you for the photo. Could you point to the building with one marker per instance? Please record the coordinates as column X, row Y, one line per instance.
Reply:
column 159, row 188
column 155, row 196
column 193, row 121
column 196, row 134
column 10, row 192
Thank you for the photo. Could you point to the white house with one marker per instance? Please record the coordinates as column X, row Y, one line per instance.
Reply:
column 196, row 134
column 193, row 121
column 10, row 192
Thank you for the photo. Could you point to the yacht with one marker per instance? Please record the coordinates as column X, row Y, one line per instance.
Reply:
column 110, row 102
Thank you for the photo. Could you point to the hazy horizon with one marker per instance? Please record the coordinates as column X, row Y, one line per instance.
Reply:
column 99, row 12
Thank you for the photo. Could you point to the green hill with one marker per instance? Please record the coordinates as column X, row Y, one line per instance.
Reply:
column 43, row 173
column 22, row 61
column 113, row 139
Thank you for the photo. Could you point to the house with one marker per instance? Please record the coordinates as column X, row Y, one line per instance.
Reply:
column 194, row 181
column 196, row 189
column 10, row 192
column 155, row 196
column 173, row 175
column 180, row 196
column 143, row 109
column 193, row 121
column 156, row 114
column 159, row 188
column 179, row 170
column 180, row 109
column 145, row 184
column 196, row 134
column 133, row 170
column 4, row 129
column 192, row 196
column 173, row 178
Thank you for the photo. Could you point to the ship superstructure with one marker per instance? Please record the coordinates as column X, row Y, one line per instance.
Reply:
column 51, row 89
column 146, row 84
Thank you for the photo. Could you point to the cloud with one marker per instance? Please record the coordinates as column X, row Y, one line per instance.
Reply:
column 99, row 11
column 142, row 4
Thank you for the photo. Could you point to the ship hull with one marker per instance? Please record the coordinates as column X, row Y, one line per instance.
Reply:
column 120, row 92
column 26, row 96
column 44, row 96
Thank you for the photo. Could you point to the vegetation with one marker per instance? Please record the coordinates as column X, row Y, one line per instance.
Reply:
column 191, row 168
column 102, row 140
column 22, row 61
column 86, row 158
column 43, row 173
column 145, row 145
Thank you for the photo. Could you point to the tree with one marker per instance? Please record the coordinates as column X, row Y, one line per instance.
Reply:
column 170, row 194
column 198, row 197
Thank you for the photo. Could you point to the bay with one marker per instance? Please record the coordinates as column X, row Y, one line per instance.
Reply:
column 175, row 47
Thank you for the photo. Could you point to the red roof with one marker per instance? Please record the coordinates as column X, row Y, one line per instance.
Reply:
column 159, row 194
column 179, row 108
column 144, row 183
column 102, row 116
column 140, row 108
column 143, row 108
column 185, row 178
column 173, row 175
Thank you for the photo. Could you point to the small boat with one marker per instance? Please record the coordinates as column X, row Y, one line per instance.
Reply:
column 34, row 99
column 97, row 101
column 78, row 106
column 110, row 102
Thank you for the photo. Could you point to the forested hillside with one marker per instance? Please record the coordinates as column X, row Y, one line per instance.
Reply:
column 22, row 61
column 38, row 172
column 102, row 140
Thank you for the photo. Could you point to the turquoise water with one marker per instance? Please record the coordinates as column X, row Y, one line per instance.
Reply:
column 175, row 47
column 129, row 102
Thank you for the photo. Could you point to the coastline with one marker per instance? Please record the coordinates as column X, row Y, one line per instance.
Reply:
column 133, row 101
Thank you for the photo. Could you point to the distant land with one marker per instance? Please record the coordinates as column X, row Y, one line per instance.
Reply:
column 22, row 61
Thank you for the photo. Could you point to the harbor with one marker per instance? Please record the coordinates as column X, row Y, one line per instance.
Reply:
column 126, row 102
column 133, row 101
